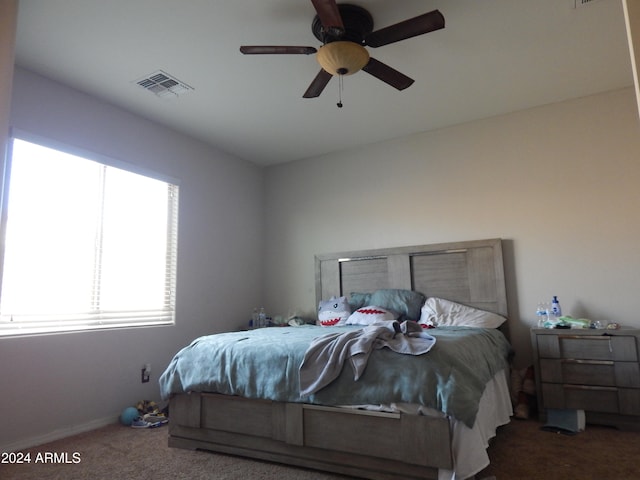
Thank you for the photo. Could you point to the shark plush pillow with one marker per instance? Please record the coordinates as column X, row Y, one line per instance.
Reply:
column 333, row 312
column 370, row 314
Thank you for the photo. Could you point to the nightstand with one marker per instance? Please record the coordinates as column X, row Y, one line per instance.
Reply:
column 597, row 371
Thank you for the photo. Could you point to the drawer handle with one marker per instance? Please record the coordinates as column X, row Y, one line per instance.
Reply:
column 587, row 362
column 589, row 387
column 585, row 337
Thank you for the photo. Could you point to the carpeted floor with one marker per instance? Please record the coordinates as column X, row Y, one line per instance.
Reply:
column 520, row 451
column 124, row 453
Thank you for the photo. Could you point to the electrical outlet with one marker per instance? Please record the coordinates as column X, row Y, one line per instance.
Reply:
column 145, row 373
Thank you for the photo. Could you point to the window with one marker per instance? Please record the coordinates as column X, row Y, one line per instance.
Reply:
column 87, row 245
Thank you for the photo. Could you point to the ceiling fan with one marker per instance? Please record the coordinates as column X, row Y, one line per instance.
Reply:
column 344, row 31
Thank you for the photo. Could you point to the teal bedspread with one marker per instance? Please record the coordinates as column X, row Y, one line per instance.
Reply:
column 265, row 364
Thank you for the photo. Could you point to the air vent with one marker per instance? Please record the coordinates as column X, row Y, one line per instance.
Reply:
column 163, row 84
column 583, row 3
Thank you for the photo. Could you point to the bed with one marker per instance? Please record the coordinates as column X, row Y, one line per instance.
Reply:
column 375, row 440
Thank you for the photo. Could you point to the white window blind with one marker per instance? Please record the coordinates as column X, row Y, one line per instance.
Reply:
column 86, row 245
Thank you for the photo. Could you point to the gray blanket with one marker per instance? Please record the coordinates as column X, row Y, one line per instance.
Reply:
column 327, row 354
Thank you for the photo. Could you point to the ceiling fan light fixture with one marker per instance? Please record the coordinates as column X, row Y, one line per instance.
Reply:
column 342, row 57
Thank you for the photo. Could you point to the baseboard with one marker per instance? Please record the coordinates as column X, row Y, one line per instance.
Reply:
column 58, row 434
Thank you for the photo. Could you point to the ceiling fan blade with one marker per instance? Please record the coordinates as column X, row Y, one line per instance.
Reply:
column 318, row 84
column 328, row 13
column 412, row 27
column 277, row 50
column 387, row 74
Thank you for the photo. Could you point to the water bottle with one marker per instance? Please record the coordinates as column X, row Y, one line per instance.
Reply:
column 542, row 314
column 556, row 311
column 262, row 318
column 254, row 319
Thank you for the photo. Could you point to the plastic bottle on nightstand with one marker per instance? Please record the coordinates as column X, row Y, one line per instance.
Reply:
column 556, row 311
column 262, row 318
column 254, row 319
column 542, row 314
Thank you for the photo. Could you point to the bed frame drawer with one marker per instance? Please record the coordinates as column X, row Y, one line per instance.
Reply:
column 376, row 445
column 351, row 431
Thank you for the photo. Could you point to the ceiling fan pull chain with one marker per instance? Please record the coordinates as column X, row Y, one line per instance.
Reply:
column 340, row 85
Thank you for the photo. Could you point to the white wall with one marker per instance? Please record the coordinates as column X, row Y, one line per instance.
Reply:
column 559, row 183
column 56, row 384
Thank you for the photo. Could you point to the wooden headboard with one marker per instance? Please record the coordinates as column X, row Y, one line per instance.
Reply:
column 471, row 273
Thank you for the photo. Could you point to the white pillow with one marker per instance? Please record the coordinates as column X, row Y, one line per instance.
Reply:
column 369, row 314
column 440, row 312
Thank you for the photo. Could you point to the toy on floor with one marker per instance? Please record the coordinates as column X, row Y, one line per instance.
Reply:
column 145, row 414
column 523, row 392
column 147, row 406
column 128, row 416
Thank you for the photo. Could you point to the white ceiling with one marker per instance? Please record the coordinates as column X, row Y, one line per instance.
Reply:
column 493, row 57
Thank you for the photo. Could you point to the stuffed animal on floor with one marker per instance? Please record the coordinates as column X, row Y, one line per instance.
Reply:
column 147, row 406
column 333, row 312
column 523, row 392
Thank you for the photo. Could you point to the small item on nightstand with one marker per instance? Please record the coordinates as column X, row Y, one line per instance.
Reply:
column 253, row 323
column 542, row 314
column 262, row 318
column 295, row 321
column 575, row 322
column 556, row 311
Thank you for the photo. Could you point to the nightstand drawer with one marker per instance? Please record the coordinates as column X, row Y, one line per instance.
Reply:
column 588, row 347
column 623, row 401
column 590, row 372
